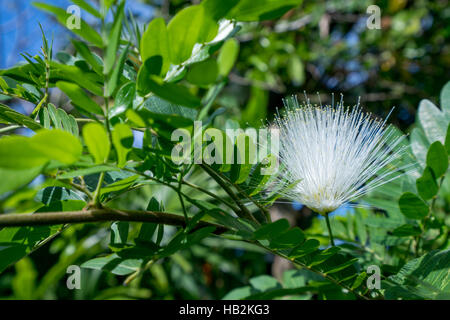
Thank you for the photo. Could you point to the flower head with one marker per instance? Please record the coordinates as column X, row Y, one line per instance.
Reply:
column 336, row 154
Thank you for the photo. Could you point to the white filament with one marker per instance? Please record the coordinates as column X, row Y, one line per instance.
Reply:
column 337, row 154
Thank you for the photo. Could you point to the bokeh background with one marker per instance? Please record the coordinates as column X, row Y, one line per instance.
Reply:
column 320, row 48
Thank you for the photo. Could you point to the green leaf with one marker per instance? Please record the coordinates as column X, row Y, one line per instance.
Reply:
column 288, row 239
column 13, row 179
column 172, row 92
column 250, row 10
column 120, row 185
column 447, row 140
column 437, row 159
column 85, row 172
column 55, row 194
column 86, row 53
column 151, row 66
column 342, row 266
column 122, row 138
column 203, row 73
column 57, row 145
column 85, row 31
column 218, row 9
column 359, row 280
column 97, row 141
column 15, row 153
column 264, row 283
column 53, row 114
column 188, row 27
column 79, row 98
column 426, row 184
column 113, row 40
column 305, row 248
column 296, row 70
column 18, row 152
column 239, row 293
column 117, row 72
column 227, row 56
column 183, row 32
column 59, row 118
column 426, row 277
column 114, row 264
column 406, row 230
column 419, row 145
column 256, row 108
column 271, row 230
column 323, row 255
column 257, row 179
column 445, row 98
column 154, row 42
column 412, row 206
column 119, row 232
column 156, row 109
column 432, row 120
column 8, row 115
column 87, row 7
column 123, row 100
column 86, row 80
column 244, row 157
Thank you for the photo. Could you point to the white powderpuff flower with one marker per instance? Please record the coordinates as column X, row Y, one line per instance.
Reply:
column 334, row 154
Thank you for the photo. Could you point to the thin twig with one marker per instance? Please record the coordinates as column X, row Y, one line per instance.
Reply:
column 10, row 128
column 243, row 209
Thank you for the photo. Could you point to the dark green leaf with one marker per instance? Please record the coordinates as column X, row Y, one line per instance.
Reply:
column 305, row 248
column 86, row 53
column 437, row 159
column 249, row 10
column 406, row 230
column 55, row 194
column 113, row 40
column 117, row 72
column 412, row 206
column 119, row 232
column 288, row 239
column 79, row 98
column 8, row 115
column 271, row 230
column 123, row 100
column 114, row 264
column 218, row 9
column 426, row 184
